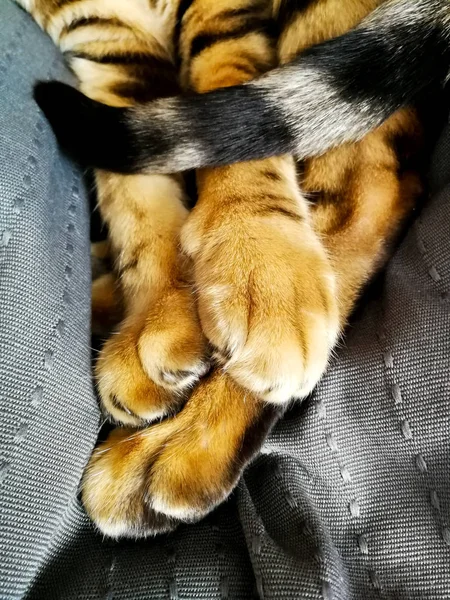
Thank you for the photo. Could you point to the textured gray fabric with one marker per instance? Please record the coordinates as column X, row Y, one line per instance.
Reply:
column 350, row 498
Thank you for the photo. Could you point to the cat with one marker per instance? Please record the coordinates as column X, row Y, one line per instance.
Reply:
column 269, row 270
column 335, row 92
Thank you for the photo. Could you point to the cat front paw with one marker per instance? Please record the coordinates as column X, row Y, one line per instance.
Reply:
column 144, row 482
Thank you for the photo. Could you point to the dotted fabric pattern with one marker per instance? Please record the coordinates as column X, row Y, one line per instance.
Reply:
column 350, row 497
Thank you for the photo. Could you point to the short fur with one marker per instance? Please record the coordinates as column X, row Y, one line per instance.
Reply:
column 275, row 276
column 332, row 93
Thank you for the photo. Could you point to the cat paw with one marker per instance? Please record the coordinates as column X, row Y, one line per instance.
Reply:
column 266, row 300
column 153, row 358
column 145, row 482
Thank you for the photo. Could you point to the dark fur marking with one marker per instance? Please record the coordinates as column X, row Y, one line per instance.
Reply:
column 247, row 11
column 252, row 25
column 126, row 58
column 149, row 64
column 155, row 79
column 119, row 406
column 344, row 211
column 255, row 63
column 291, row 9
column 140, row 92
column 41, row 8
column 133, row 261
column 88, row 21
column 128, row 266
column 272, row 175
column 279, row 210
column 224, row 354
column 96, row 134
column 183, row 7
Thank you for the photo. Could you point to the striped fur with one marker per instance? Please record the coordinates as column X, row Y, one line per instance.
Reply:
column 122, row 53
column 333, row 93
column 275, row 275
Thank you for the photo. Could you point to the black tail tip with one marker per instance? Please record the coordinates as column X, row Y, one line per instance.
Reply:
column 92, row 133
column 61, row 103
column 69, row 114
column 50, row 94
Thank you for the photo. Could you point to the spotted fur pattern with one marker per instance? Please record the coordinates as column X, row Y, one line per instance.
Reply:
column 268, row 269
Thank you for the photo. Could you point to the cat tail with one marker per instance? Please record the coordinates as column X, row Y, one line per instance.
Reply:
column 335, row 92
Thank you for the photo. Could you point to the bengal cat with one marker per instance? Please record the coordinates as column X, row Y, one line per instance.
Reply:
column 268, row 271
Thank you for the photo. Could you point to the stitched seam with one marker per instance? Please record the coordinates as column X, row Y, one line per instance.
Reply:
column 30, row 171
column 255, row 541
column 432, row 271
column 255, row 549
column 9, row 53
column 306, row 530
column 354, row 507
column 5, row 238
column 37, row 396
column 408, row 435
column 224, row 580
column 172, row 586
column 109, row 594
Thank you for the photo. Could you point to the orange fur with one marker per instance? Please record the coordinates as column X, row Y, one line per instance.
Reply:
column 121, row 53
column 191, row 462
column 266, row 288
column 276, row 268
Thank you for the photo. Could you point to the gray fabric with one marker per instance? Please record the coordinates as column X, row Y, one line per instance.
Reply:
column 350, row 498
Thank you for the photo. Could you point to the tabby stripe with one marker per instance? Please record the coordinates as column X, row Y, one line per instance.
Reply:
column 344, row 210
column 243, row 12
column 250, row 67
column 205, row 40
column 119, row 406
column 132, row 264
column 148, row 76
column 224, row 354
column 183, row 7
column 293, row 8
column 127, row 58
column 155, row 79
column 156, row 86
column 279, row 210
column 248, row 71
column 88, row 21
column 272, row 175
column 152, row 68
column 258, row 65
column 324, row 300
column 41, row 7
